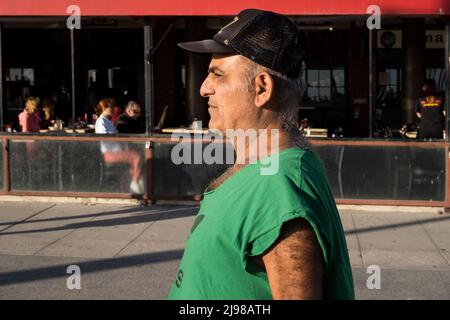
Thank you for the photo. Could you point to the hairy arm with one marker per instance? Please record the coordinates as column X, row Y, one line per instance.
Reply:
column 294, row 264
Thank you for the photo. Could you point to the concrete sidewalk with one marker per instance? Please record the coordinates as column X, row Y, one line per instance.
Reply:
column 132, row 252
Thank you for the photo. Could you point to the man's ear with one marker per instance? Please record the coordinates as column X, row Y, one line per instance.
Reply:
column 264, row 86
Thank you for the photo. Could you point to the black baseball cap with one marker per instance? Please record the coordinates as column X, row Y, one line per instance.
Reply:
column 269, row 39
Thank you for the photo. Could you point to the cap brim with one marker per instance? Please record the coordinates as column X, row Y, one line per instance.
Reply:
column 206, row 46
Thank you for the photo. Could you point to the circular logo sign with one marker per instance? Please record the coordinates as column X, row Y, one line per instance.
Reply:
column 388, row 39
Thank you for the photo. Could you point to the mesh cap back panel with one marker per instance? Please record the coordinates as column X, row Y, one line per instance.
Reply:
column 257, row 42
column 271, row 43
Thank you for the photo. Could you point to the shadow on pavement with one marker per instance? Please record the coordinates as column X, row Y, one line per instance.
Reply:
column 138, row 210
column 397, row 225
column 59, row 271
column 142, row 218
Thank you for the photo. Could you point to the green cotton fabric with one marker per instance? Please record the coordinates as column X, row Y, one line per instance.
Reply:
column 243, row 218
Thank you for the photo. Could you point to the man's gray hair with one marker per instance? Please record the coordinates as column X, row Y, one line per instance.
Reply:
column 132, row 104
column 288, row 94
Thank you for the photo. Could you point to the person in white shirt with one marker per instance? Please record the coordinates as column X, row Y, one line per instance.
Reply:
column 113, row 152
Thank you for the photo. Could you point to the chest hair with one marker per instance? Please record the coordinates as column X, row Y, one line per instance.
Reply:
column 224, row 176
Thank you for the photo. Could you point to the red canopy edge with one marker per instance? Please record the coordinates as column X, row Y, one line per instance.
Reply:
column 219, row 7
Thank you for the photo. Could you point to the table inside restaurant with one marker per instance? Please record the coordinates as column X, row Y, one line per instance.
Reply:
column 312, row 132
column 185, row 130
column 68, row 130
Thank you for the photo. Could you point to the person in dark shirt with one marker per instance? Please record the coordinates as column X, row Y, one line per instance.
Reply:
column 430, row 111
column 129, row 120
column 48, row 113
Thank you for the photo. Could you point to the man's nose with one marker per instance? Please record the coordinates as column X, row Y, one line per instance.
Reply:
column 206, row 89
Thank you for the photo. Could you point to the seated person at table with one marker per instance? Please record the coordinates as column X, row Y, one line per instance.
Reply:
column 114, row 152
column 117, row 111
column 29, row 118
column 129, row 120
column 48, row 113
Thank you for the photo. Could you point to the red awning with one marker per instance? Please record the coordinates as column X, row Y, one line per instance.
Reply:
column 219, row 7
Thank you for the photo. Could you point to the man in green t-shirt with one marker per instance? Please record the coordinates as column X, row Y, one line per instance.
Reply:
column 259, row 233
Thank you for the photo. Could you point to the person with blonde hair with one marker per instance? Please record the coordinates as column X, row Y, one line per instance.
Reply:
column 113, row 152
column 29, row 119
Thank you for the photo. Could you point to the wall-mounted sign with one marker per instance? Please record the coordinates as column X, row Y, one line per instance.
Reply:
column 392, row 39
column 435, row 39
column 389, row 39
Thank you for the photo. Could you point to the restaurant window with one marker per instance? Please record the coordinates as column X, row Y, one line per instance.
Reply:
column 108, row 57
column 109, row 64
column 435, row 59
column 17, row 79
column 389, row 59
column 388, row 82
column 438, row 74
column 36, row 63
column 325, row 100
column 325, row 87
column 389, row 87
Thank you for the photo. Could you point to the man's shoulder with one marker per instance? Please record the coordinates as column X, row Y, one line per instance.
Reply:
column 284, row 163
column 291, row 161
column 279, row 171
column 299, row 171
column 283, row 171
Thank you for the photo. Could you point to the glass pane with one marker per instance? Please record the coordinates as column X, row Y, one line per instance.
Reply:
column 339, row 97
column 325, row 95
column 417, row 173
column 339, row 77
column 393, row 80
column 15, row 74
column 324, row 76
column 313, row 78
column 340, row 91
column 170, row 179
column 313, row 94
column 392, row 90
column 354, row 172
column 74, row 166
column 438, row 74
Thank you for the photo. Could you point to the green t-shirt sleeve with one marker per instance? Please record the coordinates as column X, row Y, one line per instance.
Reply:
column 271, row 233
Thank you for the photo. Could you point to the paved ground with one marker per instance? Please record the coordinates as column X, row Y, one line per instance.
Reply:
column 132, row 252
